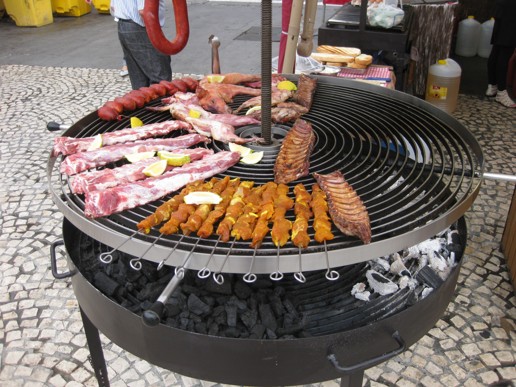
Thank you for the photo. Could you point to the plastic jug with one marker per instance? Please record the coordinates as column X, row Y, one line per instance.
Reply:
column 484, row 43
column 443, row 83
column 467, row 37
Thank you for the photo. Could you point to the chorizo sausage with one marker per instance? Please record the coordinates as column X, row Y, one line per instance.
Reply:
column 116, row 106
column 171, row 89
column 190, row 83
column 128, row 103
column 150, row 92
column 107, row 113
column 181, row 85
column 139, row 100
column 160, row 89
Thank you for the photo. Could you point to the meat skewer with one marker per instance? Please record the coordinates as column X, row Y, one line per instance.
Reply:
column 184, row 211
column 293, row 159
column 127, row 173
column 69, row 145
column 244, row 225
column 281, row 227
column 234, row 210
column 116, row 199
column 267, row 211
column 82, row 161
column 196, row 220
column 219, row 210
column 300, row 236
column 162, row 213
column 347, row 210
column 321, row 224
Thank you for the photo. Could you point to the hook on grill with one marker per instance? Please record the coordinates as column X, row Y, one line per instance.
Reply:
column 331, row 275
column 276, row 275
column 299, row 275
column 107, row 256
column 250, row 277
column 180, row 270
column 136, row 263
column 162, row 263
column 217, row 277
column 205, row 272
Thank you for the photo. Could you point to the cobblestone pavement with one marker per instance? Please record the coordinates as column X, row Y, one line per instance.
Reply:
column 42, row 342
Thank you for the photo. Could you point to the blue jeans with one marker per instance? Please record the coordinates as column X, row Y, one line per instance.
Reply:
column 145, row 64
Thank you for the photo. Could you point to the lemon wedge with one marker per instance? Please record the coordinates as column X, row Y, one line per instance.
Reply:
column 174, row 159
column 97, row 142
column 242, row 150
column 287, row 85
column 252, row 158
column 134, row 157
column 155, row 169
column 135, row 122
column 202, row 197
column 194, row 113
column 253, row 109
column 215, row 78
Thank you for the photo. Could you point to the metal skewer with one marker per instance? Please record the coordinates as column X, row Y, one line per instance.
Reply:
column 135, row 263
column 162, row 263
column 276, row 275
column 299, row 275
column 205, row 272
column 331, row 275
column 107, row 257
column 250, row 277
column 217, row 277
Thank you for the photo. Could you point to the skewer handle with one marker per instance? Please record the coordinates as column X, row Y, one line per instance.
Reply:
column 152, row 316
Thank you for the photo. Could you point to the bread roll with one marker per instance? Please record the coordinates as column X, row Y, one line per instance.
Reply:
column 364, row 59
column 355, row 65
column 335, row 58
column 348, row 51
column 335, row 64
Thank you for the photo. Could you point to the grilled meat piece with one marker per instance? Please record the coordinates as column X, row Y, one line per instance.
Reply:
column 277, row 96
column 322, row 224
column 303, row 213
column 304, row 94
column 347, row 210
column 267, row 210
column 282, row 113
column 281, row 227
column 293, row 159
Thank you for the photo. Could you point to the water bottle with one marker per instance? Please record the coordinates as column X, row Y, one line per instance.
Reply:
column 467, row 37
column 484, row 43
column 443, row 83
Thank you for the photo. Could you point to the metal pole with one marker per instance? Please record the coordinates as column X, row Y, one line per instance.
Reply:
column 266, row 69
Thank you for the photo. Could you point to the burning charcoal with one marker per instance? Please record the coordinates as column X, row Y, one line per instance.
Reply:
column 242, row 290
column 431, row 245
column 398, row 267
column 426, row 292
column 267, row 316
column 231, row 313
column 289, row 306
column 411, row 253
column 406, row 281
column 363, row 296
column 106, row 284
column 380, row 284
column 196, row 306
column 249, row 318
column 454, row 243
column 257, row 332
column 427, row 276
column 437, row 262
column 277, row 306
column 224, row 288
column 359, row 291
column 271, row 334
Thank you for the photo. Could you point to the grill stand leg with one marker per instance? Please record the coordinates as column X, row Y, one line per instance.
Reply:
column 96, row 353
column 354, row 379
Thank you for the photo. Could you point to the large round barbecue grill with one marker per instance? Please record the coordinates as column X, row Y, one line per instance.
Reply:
column 417, row 170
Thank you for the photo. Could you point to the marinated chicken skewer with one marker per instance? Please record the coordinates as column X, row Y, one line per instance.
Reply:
column 244, row 225
column 300, row 236
column 321, row 223
column 162, row 213
column 233, row 211
column 196, row 220
column 183, row 212
column 219, row 210
column 267, row 210
column 281, row 225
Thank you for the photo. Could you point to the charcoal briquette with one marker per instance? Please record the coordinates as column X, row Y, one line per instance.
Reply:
column 196, row 306
column 267, row 316
column 231, row 313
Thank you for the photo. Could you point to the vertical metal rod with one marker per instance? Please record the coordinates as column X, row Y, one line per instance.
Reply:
column 266, row 69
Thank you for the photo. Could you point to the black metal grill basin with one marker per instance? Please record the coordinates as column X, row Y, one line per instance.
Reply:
column 332, row 353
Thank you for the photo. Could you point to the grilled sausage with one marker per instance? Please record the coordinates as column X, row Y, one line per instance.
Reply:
column 116, row 106
column 181, row 85
column 160, row 89
column 128, row 103
column 107, row 113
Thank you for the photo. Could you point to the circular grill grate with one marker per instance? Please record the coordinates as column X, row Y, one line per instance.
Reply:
column 416, row 168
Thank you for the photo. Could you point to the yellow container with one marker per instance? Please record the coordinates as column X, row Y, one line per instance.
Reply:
column 29, row 13
column 102, row 6
column 70, row 7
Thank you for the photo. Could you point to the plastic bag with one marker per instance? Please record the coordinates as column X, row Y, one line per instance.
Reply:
column 385, row 16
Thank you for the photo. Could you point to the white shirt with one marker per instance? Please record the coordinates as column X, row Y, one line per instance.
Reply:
column 130, row 10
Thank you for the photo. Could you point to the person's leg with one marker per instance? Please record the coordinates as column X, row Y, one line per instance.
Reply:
column 501, row 73
column 129, row 34
column 492, row 87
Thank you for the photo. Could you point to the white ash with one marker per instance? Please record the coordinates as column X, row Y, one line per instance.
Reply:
column 406, row 281
column 426, row 291
column 363, row 296
column 380, row 284
column 360, row 292
column 398, row 267
column 380, row 264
